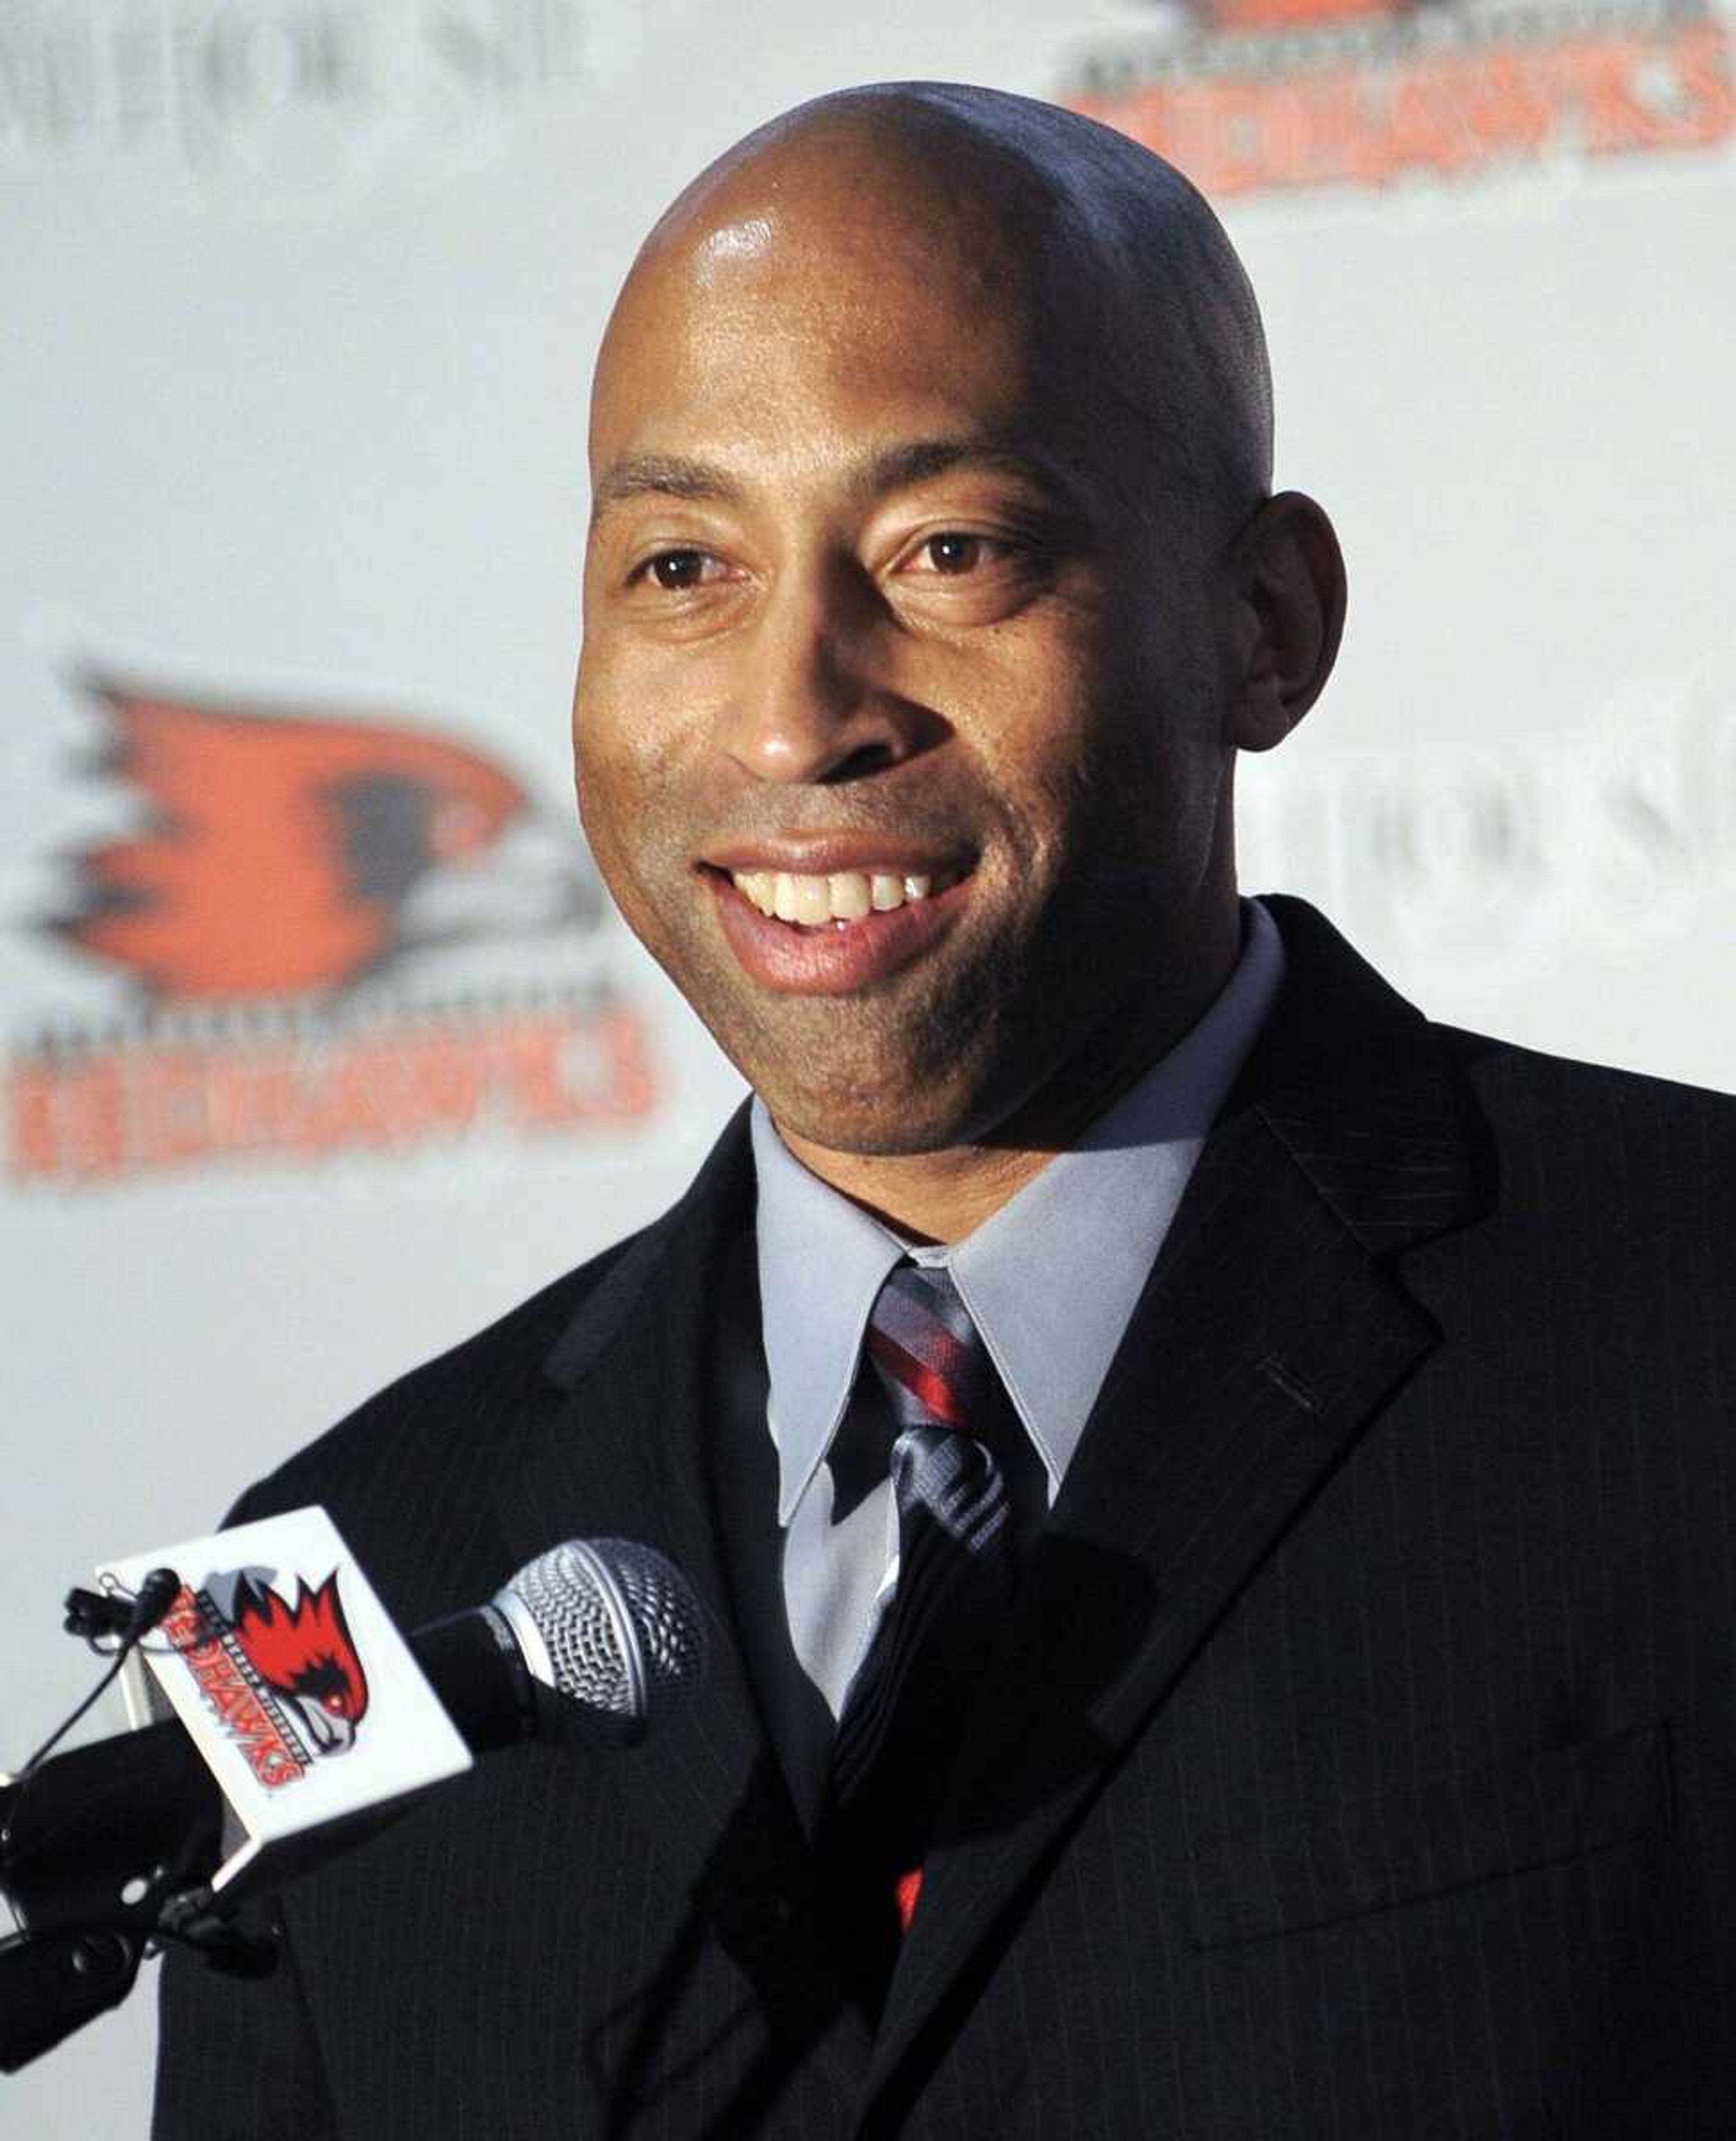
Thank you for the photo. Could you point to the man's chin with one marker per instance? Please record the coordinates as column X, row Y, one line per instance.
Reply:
column 920, row 1117
column 879, row 1129
column 870, row 1080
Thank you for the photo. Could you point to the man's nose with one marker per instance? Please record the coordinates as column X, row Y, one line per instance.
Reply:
column 813, row 703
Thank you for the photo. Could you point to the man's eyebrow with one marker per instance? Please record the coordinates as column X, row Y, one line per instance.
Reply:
column 667, row 475
column 896, row 468
column 892, row 468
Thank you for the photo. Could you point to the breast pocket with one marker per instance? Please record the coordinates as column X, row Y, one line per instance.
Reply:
column 1307, row 1870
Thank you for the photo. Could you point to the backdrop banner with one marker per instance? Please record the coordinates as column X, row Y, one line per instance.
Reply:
column 320, row 1042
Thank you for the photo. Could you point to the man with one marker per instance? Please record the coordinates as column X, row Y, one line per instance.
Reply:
column 1214, row 1495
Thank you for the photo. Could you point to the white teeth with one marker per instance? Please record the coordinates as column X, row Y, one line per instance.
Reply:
column 850, row 895
column 812, row 900
column 840, row 896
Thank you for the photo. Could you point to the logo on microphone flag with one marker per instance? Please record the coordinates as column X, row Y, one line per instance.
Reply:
column 285, row 1682
column 305, row 1702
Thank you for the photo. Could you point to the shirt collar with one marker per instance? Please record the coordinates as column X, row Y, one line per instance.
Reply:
column 1051, row 1280
column 821, row 1262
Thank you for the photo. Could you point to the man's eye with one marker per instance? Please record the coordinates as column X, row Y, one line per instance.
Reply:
column 672, row 570
column 952, row 552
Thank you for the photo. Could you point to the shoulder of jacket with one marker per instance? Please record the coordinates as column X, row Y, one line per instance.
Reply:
column 493, row 1370
column 1500, row 1070
column 1662, row 1152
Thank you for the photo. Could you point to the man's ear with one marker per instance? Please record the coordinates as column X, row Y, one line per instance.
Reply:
column 1287, row 575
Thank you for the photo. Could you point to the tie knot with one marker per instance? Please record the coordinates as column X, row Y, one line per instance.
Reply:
column 929, row 1354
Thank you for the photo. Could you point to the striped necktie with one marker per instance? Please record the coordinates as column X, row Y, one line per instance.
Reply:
column 907, row 1700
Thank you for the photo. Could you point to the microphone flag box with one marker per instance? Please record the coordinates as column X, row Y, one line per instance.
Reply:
column 295, row 1686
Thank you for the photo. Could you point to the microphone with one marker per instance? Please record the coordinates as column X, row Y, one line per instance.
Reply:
column 610, row 1627
column 592, row 1644
column 155, row 1595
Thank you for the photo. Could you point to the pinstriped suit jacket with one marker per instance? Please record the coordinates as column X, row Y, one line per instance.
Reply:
column 1360, row 1758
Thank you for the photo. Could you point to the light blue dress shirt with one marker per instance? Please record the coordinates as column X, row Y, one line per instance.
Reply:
column 1050, row 1279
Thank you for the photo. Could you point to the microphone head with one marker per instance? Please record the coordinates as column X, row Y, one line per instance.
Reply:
column 610, row 1624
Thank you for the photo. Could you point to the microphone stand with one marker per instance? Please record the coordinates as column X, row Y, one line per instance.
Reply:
column 95, row 1847
column 102, row 1850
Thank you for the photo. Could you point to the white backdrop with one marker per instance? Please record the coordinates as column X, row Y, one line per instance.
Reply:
column 298, row 303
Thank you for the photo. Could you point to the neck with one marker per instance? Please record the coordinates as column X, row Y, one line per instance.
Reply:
column 944, row 1195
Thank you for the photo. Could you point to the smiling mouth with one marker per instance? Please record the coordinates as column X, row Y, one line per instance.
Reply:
column 840, row 898
column 834, row 933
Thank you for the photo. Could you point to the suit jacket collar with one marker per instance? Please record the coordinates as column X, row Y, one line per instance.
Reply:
column 621, row 1452
column 1353, row 1082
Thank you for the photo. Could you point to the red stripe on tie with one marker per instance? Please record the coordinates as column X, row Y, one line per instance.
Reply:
column 905, row 1891
column 926, row 1385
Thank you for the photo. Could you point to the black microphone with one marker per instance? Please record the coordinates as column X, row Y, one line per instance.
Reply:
column 152, row 1600
column 589, row 1645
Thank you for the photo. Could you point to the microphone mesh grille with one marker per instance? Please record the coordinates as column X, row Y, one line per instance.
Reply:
column 568, row 1599
column 664, row 1612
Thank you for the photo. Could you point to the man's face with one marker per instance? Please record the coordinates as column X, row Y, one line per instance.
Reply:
column 883, row 629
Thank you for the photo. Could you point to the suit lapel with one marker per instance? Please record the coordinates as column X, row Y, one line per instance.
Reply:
column 1270, row 1332
column 624, row 1453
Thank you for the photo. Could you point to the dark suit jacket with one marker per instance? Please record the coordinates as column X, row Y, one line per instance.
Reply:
column 1360, row 1758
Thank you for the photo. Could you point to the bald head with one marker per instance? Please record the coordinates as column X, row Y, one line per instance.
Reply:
column 1122, row 275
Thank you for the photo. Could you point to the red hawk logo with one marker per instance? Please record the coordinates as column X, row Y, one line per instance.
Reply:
column 286, row 854
column 303, row 1653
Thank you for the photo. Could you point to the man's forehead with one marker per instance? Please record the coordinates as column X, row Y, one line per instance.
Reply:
column 854, row 389
column 851, row 200
column 768, row 301
column 989, row 229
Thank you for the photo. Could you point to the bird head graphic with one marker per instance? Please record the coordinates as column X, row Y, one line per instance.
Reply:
column 285, row 854
column 303, row 1653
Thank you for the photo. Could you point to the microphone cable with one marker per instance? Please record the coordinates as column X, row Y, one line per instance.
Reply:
column 91, row 1615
